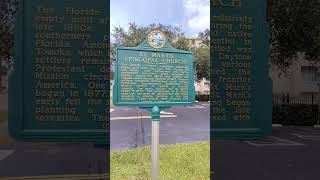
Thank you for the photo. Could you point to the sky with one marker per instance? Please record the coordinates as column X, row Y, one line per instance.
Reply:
column 192, row 15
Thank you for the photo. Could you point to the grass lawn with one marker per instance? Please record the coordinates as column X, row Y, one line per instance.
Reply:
column 3, row 92
column 3, row 116
column 180, row 161
column 5, row 139
column 111, row 102
column 4, row 136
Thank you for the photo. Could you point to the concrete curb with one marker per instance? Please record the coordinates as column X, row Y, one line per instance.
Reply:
column 277, row 125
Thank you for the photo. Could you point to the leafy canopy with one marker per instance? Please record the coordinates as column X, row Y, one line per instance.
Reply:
column 294, row 27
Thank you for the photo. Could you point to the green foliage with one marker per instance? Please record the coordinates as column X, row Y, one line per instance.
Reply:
column 294, row 27
column 294, row 114
column 136, row 34
column 205, row 37
column 182, row 44
column 111, row 75
column 202, row 62
column 202, row 97
column 8, row 9
column 3, row 116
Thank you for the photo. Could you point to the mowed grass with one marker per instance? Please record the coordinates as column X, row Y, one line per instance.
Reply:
column 3, row 92
column 4, row 136
column 111, row 102
column 3, row 116
column 5, row 139
column 180, row 161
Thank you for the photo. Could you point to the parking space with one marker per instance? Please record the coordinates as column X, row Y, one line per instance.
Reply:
column 273, row 141
column 290, row 153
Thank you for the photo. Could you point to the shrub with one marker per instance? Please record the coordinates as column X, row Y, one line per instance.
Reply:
column 295, row 114
column 202, row 97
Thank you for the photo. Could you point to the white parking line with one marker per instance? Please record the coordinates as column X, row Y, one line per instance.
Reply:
column 196, row 107
column 112, row 110
column 164, row 112
column 307, row 137
column 5, row 153
column 274, row 141
column 140, row 117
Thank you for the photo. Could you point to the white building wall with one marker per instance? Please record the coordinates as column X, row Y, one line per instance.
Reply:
column 293, row 82
column 202, row 87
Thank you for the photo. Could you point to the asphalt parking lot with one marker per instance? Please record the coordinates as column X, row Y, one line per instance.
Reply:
column 131, row 127
column 290, row 153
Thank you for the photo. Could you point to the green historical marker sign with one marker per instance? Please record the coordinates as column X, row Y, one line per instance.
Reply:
column 59, row 89
column 241, row 91
column 153, row 74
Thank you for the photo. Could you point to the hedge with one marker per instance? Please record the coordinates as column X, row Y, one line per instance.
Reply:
column 202, row 97
column 294, row 114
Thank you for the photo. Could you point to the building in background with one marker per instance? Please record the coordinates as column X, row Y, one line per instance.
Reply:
column 193, row 41
column 202, row 87
column 301, row 80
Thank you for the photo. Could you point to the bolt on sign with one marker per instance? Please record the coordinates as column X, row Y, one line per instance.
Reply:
column 59, row 89
column 241, row 92
column 153, row 74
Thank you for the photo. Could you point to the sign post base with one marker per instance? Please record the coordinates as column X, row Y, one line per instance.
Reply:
column 155, row 116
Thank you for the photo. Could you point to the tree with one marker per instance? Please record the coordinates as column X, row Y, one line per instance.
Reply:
column 205, row 37
column 136, row 34
column 181, row 43
column 202, row 56
column 294, row 27
column 8, row 9
column 202, row 62
column 133, row 37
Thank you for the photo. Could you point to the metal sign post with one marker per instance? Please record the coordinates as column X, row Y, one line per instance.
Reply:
column 155, row 116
